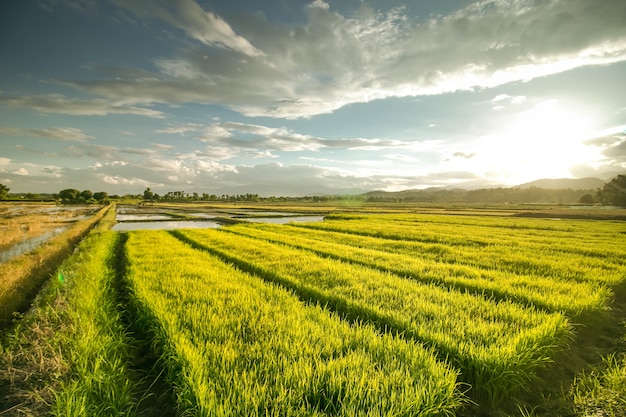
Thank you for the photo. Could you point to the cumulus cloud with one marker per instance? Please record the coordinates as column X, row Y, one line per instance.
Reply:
column 197, row 172
column 613, row 146
column 59, row 104
column 119, row 180
column 332, row 60
column 246, row 136
column 502, row 101
column 27, row 171
column 612, row 161
column 68, row 134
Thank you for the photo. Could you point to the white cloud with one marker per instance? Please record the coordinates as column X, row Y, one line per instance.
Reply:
column 189, row 16
column 119, row 180
column 612, row 145
column 249, row 137
column 502, row 101
column 27, row 171
column 332, row 59
column 68, row 134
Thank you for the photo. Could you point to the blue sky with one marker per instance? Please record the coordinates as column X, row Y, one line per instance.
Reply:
column 309, row 97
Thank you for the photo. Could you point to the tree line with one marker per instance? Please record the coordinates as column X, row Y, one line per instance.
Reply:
column 613, row 193
column 149, row 195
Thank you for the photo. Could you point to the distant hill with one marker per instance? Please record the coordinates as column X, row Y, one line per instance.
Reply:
column 566, row 183
column 544, row 191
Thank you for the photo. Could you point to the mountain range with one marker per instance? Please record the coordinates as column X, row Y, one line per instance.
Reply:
column 566, row 183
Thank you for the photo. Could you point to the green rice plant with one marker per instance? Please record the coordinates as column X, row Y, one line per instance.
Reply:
column 487, row 230
column 497, row 345
column 581, row 255
column 573, row 298
column 602, row 392
column 95, row 344
column 508, row 255
column 236, row 345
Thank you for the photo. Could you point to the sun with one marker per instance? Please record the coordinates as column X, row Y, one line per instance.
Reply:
column 542, row 142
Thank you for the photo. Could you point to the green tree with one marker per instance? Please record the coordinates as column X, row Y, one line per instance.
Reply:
column 69, row 195
column 614, row 192
column 101, row 197
column 587, row 199
column 87, row 195
column 4, row 192
column 148, row 194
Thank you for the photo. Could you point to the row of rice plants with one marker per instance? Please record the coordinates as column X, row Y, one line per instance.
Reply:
column 517, row 254
column 508, row 256
column 499, row 222
column 574, row 298
column 583, row 237
column 603, row 240
column 240, row 346
column 498, row 346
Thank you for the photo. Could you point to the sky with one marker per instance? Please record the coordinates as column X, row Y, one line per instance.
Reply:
column 294, row 98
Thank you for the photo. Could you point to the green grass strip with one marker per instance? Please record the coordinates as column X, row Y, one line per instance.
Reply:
column 69, row 356
column 242, row 347
column 95, row 343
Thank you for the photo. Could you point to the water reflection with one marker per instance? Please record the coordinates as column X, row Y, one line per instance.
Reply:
column 28, row 245
column 141, row 217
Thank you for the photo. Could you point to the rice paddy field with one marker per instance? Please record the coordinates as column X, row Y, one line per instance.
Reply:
column 361, row 314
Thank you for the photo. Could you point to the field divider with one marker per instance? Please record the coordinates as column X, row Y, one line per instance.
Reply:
column 498, row 346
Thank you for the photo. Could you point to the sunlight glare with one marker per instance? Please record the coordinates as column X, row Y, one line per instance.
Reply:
column 543, row 142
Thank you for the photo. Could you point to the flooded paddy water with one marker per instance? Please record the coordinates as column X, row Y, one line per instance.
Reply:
column 170, row 218
column 24, row 227
column 28, row 244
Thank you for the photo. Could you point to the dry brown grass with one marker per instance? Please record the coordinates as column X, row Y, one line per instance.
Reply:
column 22, row 276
